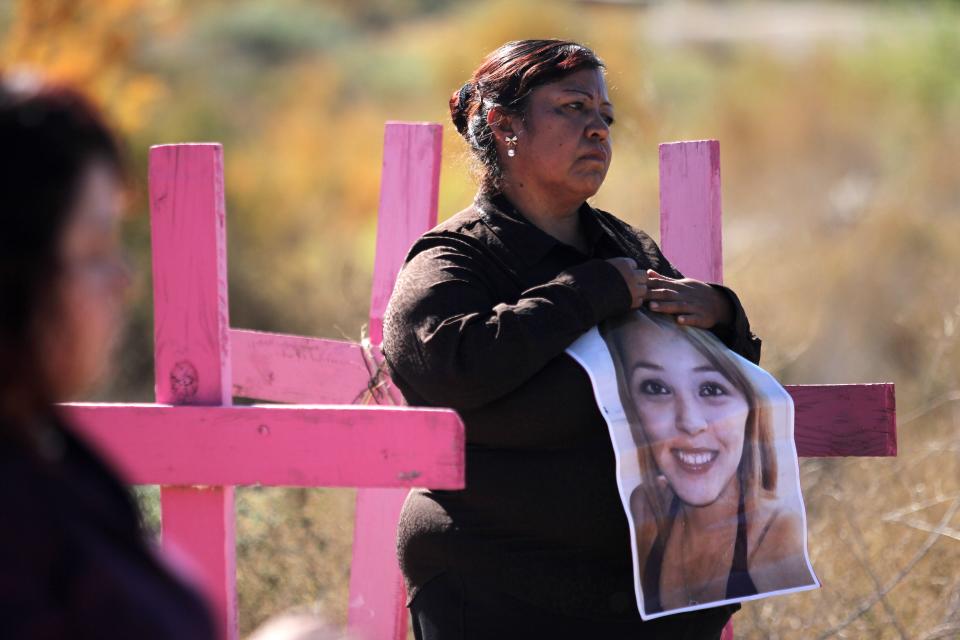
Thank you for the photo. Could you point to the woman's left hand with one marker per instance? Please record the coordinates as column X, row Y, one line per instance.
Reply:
column 694, row 303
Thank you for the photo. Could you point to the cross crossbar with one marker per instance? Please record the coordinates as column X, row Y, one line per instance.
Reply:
column 832, row 420
column 293, row 445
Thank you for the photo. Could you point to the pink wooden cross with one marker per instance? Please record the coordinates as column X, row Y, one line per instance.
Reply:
column 195, row 444
column 830, row 420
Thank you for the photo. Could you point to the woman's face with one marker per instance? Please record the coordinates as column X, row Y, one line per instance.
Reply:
column 80, row 337
column 693, row 417
column 563, row 140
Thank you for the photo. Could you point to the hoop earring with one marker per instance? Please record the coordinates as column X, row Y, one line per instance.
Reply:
column 511, row 145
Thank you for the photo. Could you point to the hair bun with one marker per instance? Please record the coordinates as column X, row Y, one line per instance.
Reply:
column 459, row 103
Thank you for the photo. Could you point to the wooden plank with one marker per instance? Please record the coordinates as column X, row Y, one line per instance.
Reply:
column 302, row 446
column 188, row 238
column 690, row 208
column 192, row 346
column 296, row 369
column 691, row 223
column 377, row 607
column 844, row 420
column 409, row 191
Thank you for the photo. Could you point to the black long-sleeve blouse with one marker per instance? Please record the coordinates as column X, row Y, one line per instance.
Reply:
column 483, row 308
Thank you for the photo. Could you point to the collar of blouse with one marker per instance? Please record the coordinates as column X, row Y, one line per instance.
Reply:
column 522, row 236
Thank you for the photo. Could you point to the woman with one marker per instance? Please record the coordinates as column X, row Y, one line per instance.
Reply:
column 73, row 559
column 709, row 522
column 481, row 313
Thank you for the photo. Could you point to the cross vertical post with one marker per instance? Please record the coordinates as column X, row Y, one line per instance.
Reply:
column 409, row 188
column 690, row 212
column 192, row 346
column 691, row 224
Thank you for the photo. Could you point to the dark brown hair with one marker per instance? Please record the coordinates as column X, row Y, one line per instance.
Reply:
column 505, row 79
column 50, row 135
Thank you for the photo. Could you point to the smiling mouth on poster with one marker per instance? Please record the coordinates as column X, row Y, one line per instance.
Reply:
column 706, row 465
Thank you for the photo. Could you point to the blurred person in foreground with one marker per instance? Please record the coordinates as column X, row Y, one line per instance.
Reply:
column 74, row 561
column 538, row 543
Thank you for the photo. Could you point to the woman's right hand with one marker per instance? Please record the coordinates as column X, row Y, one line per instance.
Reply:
column 635, row 278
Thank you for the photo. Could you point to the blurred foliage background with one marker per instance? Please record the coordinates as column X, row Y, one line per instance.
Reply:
column 840, row 134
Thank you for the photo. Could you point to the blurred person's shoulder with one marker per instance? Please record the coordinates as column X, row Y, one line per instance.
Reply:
column 32, row 527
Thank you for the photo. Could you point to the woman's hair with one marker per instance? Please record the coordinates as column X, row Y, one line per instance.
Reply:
column 505, row 79
column 758, row 461
column 50, row 134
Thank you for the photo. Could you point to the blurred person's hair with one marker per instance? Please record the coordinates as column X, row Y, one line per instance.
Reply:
column 757, row 470
column 505, row 79
column 49, row 136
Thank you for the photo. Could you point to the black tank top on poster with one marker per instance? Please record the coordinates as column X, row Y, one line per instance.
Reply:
column 739, row 582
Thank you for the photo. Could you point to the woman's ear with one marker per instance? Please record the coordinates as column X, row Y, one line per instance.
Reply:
column 501, row 123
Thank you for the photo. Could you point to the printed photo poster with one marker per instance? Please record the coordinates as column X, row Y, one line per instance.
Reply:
column 706, row 464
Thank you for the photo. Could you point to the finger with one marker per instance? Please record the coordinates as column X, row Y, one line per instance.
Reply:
column 653, row 276
column 692, row 320
column 672, row 307
column 662, row 294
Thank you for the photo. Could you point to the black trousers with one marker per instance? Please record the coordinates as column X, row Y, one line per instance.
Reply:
column 450, row 607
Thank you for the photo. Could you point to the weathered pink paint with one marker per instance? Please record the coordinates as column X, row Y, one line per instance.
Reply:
column 278, row 445
column 829, row 420
column 188, row 238
column 690, row 219
column 377, row 603
column 409, row 191
column 409, row 188
column 845, row 420
column 200, row 522
column 192, row 345
column 285, row 368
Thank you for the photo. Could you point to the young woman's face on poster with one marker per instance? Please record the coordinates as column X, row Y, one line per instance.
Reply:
column 693, row 417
